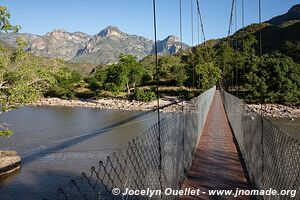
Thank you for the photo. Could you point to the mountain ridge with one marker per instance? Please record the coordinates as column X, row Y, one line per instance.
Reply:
column 292, row 14
column 101, row 48
column 276, row 32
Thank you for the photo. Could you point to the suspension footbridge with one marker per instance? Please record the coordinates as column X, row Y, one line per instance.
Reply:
column 216, row 145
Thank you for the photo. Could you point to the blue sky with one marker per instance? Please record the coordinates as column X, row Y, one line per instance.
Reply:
column 135, row 16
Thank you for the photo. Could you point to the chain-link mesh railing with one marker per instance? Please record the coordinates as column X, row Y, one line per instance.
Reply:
column 271, row 156
column 137, row 167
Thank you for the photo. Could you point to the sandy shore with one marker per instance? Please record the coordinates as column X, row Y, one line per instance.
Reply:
column 277, row 110
column 168, row 104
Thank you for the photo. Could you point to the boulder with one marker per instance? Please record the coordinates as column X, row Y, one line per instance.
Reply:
column 9, row 161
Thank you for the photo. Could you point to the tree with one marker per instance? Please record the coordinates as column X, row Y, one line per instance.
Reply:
column 207, row 75
column 148, row 64
column 117, row 77
column 4, row 60
column 199, row 55
column 225, row 57
column 23, row 78
column 135, row 72
column 282, row 77
column 64, row 84
column 125, row 75
column 292, row 49
column 97, row 80
column 4, row 21
column 178, row 74
column 255, row 82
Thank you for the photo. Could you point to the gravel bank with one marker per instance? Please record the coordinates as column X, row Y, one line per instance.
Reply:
column 168, row 104
column 277, row 110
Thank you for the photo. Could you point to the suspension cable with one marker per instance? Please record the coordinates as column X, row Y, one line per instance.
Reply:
column 231, row 18
column 260, row 27
column 157, row 94
column 243, row 48
column 198, row 27
column 202, row 29
column 201, row 22
column 262, row 93
column 228, row 40
column 192, row 22
column 243, row 13
column 236, row 49
column 236, row 25
column 180, row 23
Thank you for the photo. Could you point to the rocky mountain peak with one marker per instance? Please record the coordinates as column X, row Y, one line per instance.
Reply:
column 110, row 31
column 56, row 32
column 172, row 38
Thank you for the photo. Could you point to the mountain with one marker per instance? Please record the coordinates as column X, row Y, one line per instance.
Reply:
column 276, row 33
column 292, row 15
column 108, row 44
column 58, row 43
column 170, row 45
column 101, row 48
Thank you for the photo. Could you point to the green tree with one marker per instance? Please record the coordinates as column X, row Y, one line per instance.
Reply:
column 117, row 77
column 4, row 21
column 273, row 78
column 172, row 70
column 207, row 75
column 125, row 75
column 4, row 61
column 136, row 72
column 292, row 49
column 255, row 82
column 23, row 78
column 97, row 80
column 199, row 55
column 179, row 75
column 225, row 57
column 65, row 82
column 282, row 77
column 148, row 64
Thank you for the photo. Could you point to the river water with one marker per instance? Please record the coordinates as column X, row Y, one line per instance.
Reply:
column 289, row 126
column 58, row 143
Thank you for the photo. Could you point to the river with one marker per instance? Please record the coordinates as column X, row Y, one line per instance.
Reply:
column 289, row 126
column 59, row 143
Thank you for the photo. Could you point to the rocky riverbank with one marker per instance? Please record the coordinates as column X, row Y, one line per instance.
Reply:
column 277, row 110
column 168, row 104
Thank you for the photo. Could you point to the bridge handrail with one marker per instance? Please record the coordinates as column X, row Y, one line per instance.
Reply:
column 137, row 166
column 271, row 156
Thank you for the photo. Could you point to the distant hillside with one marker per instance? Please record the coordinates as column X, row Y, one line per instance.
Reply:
column 276, row 32
column 102, row 48
column 292, row 14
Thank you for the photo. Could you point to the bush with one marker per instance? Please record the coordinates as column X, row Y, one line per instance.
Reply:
column 145, row 96
column 6, row 132
column 60, row 92
column 86, row 94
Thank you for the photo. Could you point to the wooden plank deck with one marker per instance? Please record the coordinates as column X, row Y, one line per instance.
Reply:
column 216, row 164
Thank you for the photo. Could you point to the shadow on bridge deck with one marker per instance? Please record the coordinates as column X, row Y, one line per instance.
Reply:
column 216, row 165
